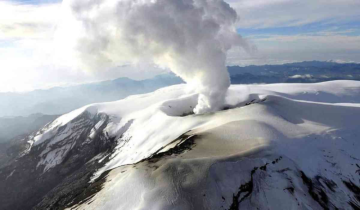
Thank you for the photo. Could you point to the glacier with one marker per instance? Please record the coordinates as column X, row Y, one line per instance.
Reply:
column 278, row 146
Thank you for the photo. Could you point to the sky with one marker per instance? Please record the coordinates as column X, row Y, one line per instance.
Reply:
column 282, row 31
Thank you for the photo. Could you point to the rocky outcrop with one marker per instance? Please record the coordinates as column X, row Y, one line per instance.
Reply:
column 53, row 175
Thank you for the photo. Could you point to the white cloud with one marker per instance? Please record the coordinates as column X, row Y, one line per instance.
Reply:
column 27, row 21
column 27, row 51
column 26, row 37
column 297, row 76
column 281, row 13
column 328, row 44
column 25, row 43
column 275, row 49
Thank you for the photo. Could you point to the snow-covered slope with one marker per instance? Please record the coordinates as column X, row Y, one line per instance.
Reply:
column 281, row 146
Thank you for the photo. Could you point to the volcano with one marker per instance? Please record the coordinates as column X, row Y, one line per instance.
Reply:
column 279, row 146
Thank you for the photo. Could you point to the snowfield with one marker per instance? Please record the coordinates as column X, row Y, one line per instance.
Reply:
column 280, row 146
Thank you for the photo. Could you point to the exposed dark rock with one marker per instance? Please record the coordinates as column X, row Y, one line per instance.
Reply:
column 290, row 189
column 184, row 143
column 315, row 190
column 358, row 171
column 355, row 200
column 56, row 188
column 187, row 114
column 247, row 188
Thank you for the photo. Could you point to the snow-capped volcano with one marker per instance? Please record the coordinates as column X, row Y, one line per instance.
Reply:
column 281, row 146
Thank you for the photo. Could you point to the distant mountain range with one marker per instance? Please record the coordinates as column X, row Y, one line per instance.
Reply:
column 14, row 130
column 61, row 100
column 303, row 72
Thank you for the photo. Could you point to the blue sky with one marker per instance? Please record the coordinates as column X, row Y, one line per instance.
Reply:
column 349, row 28
column 36, row 1
column 297, row 30
column 281, row 30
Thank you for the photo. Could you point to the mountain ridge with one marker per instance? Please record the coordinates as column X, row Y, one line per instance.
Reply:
column 276, row 146
column 60, row 100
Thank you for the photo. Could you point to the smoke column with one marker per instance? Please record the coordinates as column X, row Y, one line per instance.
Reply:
column 190, row 37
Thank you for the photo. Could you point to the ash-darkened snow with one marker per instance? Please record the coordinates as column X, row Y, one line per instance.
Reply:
column 278, row 146
column 200, row 145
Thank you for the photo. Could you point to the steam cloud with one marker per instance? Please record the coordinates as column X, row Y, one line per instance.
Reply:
column 190, row 37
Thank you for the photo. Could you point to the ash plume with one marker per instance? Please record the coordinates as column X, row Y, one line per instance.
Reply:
column 189, row 37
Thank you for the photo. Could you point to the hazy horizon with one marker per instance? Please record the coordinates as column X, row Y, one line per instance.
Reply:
column 281, row 31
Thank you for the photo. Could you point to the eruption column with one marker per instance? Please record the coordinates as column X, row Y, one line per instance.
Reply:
column 190, row 37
